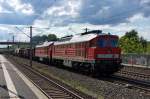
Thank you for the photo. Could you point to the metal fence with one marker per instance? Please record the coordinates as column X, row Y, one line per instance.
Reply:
column 136, row 59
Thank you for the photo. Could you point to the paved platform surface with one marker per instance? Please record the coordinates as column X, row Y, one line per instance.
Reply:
column 14, row 85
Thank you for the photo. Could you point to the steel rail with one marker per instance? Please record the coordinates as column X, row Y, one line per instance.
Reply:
column 67, row 91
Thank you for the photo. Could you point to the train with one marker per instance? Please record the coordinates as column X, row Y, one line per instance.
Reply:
column 92, row 51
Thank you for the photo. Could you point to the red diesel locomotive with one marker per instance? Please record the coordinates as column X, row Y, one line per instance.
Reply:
column 92, row 51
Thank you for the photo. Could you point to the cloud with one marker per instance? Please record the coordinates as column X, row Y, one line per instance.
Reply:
column 18, row 6
column 41, row 23
column 4, row 32
column 136, row 17
column 96, row 12
column 62, row 12
column 2, row 9
column 66, row 17
column 16, row 12
column 108, row 15
column 68, row 8
column 40, row 5
column 7, row 32
column 16, row 19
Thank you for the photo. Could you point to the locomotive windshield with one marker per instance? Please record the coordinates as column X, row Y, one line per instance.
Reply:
column 111, row 42
column 102, row 43
column 114, row 43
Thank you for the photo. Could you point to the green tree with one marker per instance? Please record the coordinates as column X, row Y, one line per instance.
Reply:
column 36, row 39
column 43, row 38
column 131, row 43
column 39, row 39
column 52, row 37
column 144, row 44
column 148, row 47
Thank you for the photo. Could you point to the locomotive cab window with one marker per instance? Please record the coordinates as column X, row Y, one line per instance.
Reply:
column 114, row 42
column 102, row 42
column 107, row 42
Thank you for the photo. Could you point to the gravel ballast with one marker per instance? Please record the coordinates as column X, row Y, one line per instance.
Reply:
column 97, row 88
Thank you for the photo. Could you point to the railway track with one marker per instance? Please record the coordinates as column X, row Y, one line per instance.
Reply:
column 134, row 75
column 124, row 82
column 133, row 80
column 49, row 87
column 142, row 71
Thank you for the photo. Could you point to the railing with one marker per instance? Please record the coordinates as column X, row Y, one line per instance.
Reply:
column 136, row 59
column 6, row 43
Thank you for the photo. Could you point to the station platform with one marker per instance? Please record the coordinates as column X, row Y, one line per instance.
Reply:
column 14, row 84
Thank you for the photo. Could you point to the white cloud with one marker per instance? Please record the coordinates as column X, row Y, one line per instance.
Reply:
column 59, row 13
column 18, row 6
column 28, row 9
column 1, row 9
column 136, row 17
column 69, row 8
column 22, row 38
column 41, row 23
column 145, row 1
column 56, row 14
column 54, row 10
column 7, row 31
column 53, row 16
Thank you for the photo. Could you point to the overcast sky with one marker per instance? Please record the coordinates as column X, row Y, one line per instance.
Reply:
column 64, row 17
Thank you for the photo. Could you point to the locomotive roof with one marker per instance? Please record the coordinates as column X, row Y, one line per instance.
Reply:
column 45, row 44
column 78, row 38
column 82, row 37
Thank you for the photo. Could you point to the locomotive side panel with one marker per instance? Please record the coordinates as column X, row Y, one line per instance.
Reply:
column 73, row 52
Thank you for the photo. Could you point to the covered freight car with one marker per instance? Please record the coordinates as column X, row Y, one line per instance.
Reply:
column 43, row 52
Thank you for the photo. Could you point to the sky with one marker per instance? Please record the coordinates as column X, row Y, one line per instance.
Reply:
column 66, row 17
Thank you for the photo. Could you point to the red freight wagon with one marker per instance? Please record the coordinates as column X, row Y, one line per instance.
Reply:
column 44, row 51
column 91, row 50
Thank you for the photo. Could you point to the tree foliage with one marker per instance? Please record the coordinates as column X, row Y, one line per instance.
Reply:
column 132, row 43
column 43, row 38
column 148, row 47
column 52, row 37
